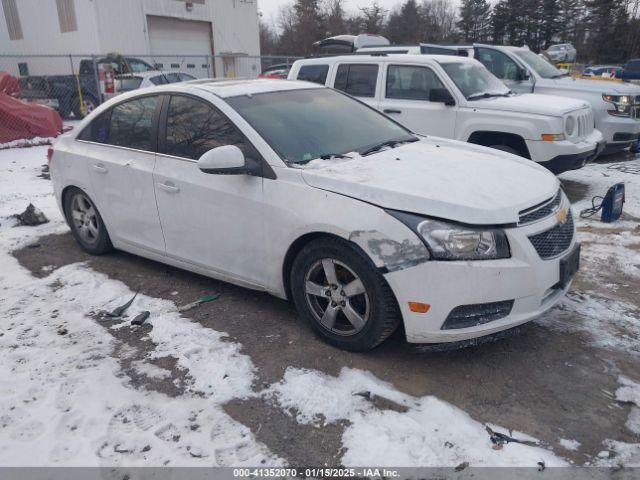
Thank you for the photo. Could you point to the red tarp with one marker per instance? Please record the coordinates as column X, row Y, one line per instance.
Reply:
column 21, row 120
column 9, row 85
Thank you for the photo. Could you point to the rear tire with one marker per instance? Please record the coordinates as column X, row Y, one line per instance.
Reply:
column 90, row 104
column 86, row 223
column 342, row 296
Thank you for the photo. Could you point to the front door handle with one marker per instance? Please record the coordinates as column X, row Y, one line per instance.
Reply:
column 169, row 187
column 391, row 110
column 100, row 168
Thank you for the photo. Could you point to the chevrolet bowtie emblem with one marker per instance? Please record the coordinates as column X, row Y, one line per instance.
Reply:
column 562, row 216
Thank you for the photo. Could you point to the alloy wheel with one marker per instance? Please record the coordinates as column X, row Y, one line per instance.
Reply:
column 337, row 297
column 85, row 218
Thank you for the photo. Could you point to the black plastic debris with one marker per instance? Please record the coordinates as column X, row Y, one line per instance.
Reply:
column 117, row 312
column 31, row 217
column 140, row 318
column 498, row 438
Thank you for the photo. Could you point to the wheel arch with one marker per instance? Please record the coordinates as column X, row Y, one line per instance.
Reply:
column 488, row 137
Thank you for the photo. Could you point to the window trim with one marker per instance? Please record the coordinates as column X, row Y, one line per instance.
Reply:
column 349, row 65
column 517, row 62
column 409, row 65
column 161, row 134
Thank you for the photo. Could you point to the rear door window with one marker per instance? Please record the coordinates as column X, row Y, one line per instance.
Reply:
column 98, row 130
column 410, row 82
column 195, row 127
column 131, row 123
column 358, row 79
column 314, row 73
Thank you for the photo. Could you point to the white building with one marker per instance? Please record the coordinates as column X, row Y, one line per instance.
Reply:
column 189, row 31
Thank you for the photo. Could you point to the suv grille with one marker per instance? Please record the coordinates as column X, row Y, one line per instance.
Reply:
column 585, row 123
column 553, row 242
column 541, row 211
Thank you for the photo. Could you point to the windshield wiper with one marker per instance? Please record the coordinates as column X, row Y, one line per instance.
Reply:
column 560, row 75
column 388, row 143
column 328, row 156
column 477, row 96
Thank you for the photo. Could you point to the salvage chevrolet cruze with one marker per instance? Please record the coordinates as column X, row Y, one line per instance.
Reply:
column 308, row 194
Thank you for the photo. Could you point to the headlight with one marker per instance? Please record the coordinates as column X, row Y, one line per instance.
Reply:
column 448, row 241
column 569, row 125
column 622, row 104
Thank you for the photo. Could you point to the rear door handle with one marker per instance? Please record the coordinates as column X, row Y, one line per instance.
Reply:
column 169, row 187
column 391, row 110
column 100, row 168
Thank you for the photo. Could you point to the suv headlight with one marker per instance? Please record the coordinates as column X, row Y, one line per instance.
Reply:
column 569, row 125
column 622, row 104
column 449, row 241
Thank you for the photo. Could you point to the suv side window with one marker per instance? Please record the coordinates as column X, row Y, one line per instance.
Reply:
column 314, row 73
column 497, row 63
column 98, row 130
column 357, row 79
column 410, row 82
column 132, row 123
column 195, row 127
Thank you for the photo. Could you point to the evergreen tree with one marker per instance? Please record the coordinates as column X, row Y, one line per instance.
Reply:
column 474, row 20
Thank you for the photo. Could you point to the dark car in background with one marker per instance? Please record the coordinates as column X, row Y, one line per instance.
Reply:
column 631, row 72
column 77, row 94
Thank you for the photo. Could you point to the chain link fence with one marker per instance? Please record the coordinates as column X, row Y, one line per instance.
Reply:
column 76, row 84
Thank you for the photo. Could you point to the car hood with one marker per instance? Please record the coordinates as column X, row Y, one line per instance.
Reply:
column 598, row 86
column 531, row 104
column 439, row 178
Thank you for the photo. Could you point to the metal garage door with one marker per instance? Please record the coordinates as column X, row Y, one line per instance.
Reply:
column 172, row 36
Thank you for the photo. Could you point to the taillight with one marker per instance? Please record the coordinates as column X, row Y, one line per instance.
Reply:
column 49, row 154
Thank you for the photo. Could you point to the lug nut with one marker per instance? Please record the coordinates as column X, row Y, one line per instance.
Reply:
column 328, row 293
column 334, row 287
column 334, row 304
column 342, row 293
column 343, row 303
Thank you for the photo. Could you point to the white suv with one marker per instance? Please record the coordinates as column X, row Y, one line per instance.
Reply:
column 616, row 105
column 456, row 97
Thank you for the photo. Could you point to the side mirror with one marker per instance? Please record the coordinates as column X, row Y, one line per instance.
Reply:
column 522, row 75
column 441, row 95
column 225, row 160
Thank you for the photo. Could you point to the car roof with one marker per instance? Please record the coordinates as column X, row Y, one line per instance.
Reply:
column 236, row 87
column 397, row 58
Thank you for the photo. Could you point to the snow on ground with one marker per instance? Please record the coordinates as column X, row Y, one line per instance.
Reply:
column 607, row 248
column 569, row 444
column 65, row 396
column 600, row 176
column 425, row 432
column 68, row 399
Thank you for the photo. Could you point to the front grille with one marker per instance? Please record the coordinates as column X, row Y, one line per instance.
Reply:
column 466, row 316
column 540, row 211
column 553, row 242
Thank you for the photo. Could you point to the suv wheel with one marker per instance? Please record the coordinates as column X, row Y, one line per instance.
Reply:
column 342, row 295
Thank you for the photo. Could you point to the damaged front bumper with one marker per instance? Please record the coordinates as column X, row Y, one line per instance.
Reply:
column 495, row 294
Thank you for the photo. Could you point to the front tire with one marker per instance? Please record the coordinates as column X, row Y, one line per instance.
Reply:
column 86, row 223
column 342, row 296
column 506, row 148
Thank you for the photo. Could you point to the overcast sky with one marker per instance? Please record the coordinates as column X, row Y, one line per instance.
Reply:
column 269, row 8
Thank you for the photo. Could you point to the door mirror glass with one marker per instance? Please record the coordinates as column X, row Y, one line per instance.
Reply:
column 441, row 95
column 225, row 160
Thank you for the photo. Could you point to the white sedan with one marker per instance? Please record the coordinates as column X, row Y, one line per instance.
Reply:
column 301, row 191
